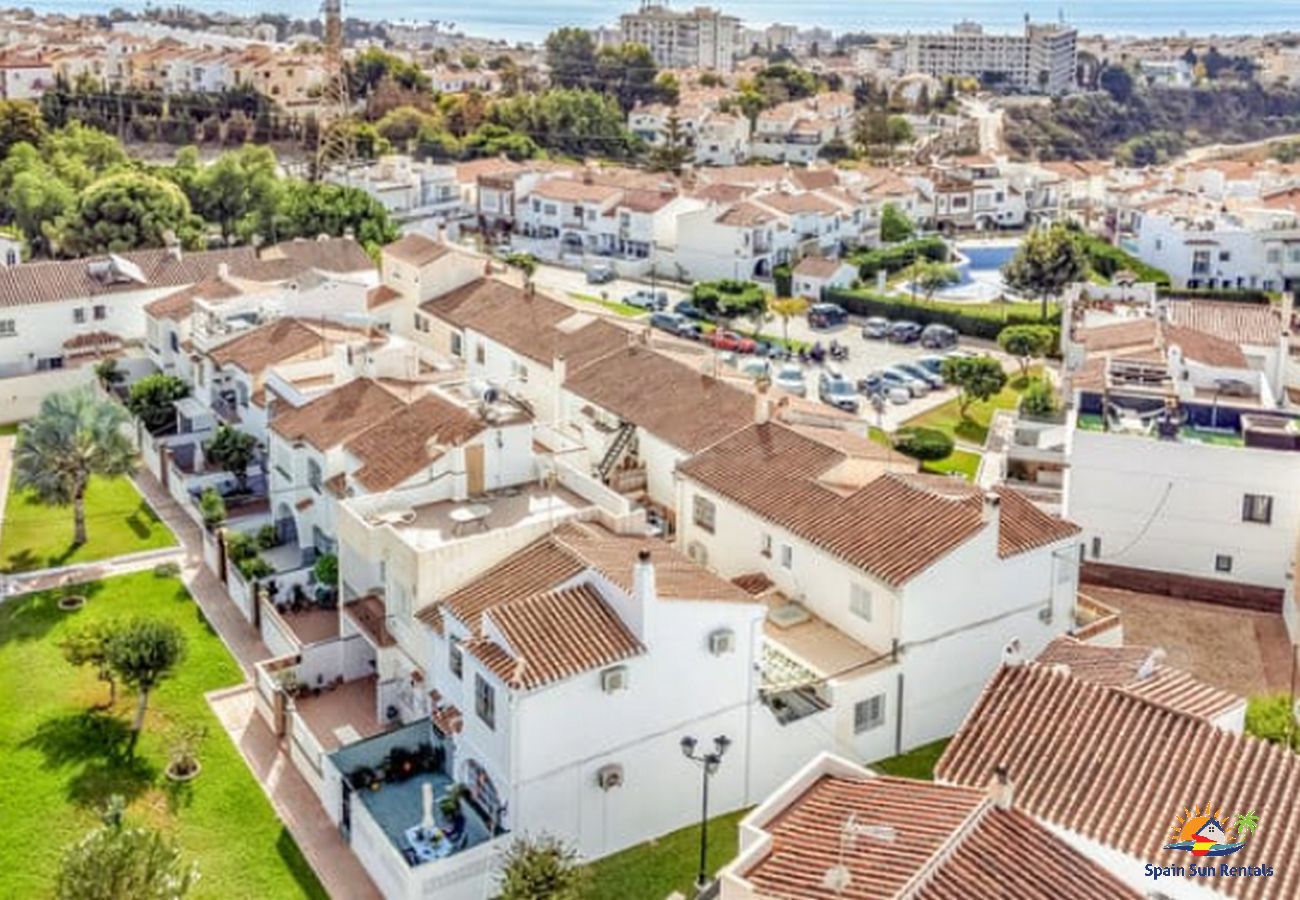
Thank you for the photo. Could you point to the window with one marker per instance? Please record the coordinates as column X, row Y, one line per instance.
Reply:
column 421, row 323
column 8, row 328
column 456, row 659
column 869, row 714
column 101, row 312
column 766, row 546
column 787, row 556
column 1222, row 563
column 79, row 315
column 1274, row 255
column 704, row 513
column 457, row 345
column 1224, row 256
column 1257, row 508
column 314, row 475
column 485, row 702
column 480, row 353
column 1096, row 548
column 860, row 602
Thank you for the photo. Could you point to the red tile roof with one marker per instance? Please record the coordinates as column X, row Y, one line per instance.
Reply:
column 416, row 250
column 1117, row 769
column 336, row 416
column 554, row 636
column 935, row 841
column 409, row 439
column 894, row 526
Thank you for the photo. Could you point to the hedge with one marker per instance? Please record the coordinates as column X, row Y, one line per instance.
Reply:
column 1106, row 260
column 925, row 444
column 981, row 321
column 1244, row 295
column 783, row 280
column 897, row 257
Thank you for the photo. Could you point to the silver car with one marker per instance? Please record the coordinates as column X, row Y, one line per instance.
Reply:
column 790, row 378
column 916, row 386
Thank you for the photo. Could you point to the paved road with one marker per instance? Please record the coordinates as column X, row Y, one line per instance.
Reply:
column 864, row 355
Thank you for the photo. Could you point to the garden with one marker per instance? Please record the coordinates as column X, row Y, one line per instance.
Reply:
column 69, row 746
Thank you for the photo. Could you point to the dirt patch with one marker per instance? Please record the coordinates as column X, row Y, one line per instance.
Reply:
column 1238, row 650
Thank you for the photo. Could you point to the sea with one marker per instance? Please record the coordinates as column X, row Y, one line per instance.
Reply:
column 531, row 20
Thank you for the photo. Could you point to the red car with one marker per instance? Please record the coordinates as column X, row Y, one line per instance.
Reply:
column 729, row 340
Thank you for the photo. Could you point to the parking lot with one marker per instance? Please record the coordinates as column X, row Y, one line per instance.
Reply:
column 865, row 355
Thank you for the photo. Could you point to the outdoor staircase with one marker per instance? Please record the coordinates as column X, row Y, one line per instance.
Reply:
column 616, row 450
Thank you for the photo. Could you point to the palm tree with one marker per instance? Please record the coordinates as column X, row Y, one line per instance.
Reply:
column 73, row 437
column 1246, row 823
column 787, row 308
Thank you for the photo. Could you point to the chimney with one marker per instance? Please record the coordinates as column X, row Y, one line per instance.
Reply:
column 223, row 271
column 992, row 511
column 172, row 243
column 643, row 580
column 1001, row 791
column 762, row 405
column 1151, row 663
column 560, row 368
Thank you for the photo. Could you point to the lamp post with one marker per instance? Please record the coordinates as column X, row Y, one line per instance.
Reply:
column 708, row 763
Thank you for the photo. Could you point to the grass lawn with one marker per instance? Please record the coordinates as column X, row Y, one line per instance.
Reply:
column 61, row 758
column 118, row 521
column 620, row 309
column 975, row 427
column 10, row 429
column 918, row 763
column 653, row 870
column 959, row 462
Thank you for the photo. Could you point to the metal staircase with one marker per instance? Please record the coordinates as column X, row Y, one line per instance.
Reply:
column 616, row 450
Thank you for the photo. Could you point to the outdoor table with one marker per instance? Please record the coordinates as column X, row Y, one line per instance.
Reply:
column 464, row 516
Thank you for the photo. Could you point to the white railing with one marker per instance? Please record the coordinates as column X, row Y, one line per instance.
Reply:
column 276, row 633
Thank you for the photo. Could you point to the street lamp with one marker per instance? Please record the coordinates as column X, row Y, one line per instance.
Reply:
column 708, row 763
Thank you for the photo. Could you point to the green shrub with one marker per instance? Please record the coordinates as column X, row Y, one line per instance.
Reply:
column 925, row 444
column 212, row 508
column 254, row 567
column 239, row 546
column 1039, row 399
column 1106, row 260
column 1270, row 717
column 783, row 279
column 897, row 257
column 326, row 570
column 267, row 538
column 982, row 320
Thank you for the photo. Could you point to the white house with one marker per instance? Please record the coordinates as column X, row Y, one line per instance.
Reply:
column 850, row 536
column 740, row 240
column 815, row 274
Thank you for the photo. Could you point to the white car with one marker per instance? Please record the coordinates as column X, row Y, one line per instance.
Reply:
column 790, row 378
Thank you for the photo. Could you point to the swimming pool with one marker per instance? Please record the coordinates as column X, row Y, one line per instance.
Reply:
column 979, row 263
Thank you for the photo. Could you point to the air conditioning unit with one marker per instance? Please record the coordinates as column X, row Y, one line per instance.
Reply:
column 609, row 777
column 1045, row 615
column 722, row 641
column 698, row 553
column 614, row 679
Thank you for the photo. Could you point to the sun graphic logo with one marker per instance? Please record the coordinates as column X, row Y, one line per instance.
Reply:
column 1202, row 832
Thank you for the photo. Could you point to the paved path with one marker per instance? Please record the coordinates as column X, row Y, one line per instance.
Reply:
column 81, row 573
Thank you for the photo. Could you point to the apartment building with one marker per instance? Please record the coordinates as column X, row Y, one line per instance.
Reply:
column 699, row 38
column 24, row 75
column 1041, row 60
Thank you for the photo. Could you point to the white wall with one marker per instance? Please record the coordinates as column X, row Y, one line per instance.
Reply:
column 1172, row 506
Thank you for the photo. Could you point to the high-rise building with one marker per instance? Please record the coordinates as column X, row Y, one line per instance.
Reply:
column 1041, row 60
column 698, row 38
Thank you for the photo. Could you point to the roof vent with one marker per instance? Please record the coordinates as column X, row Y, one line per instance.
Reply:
column 788, row 615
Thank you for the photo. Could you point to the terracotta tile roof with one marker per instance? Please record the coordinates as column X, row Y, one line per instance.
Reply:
column 341, row 255
column 813, row 179
column 470, row 171
column 448, row 720
column 1117, row 769
column 1137, row 671
column 819, row 267
column 893, row 526
column 48, row 282
column 261, row 347
column 379, row 295
column 722, row 193
column 554, row 636
column 668, row 399
column 942, row 841
column 1118, row 335
column 534, row 326
column 91, row 340
column 797, row 203
column 1200, row 346
column 1240, row 323
column 336, row 416
column 179, row 305
column 646, row 201
column 572, row 190
column 574, row 547
column 403, row 443
column 745, row 214
column 416, row 249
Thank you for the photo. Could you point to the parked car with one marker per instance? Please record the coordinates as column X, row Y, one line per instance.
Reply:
column 894, row 377
column 938, row 337
column 904, row 332
column 932, row 364
column 837, row 391
column 826, row 315
column 871, row 384
column 933, row 379
column 601, row 273
column 729, row 340
column 689, row 310
column 647, row 299
column 756, row 367
column 875, row 328
column 790, row 378
column 670, row 322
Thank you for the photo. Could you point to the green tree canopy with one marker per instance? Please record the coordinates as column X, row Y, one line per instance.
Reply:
column 1026, row 343
column 573, row 122
column 895, row 226
column 234, row 451
column 975, row 377
column 571, row 57
column 127, row 211
column 1046, row 261
column 729, row 299
column 143, row 653
column 153, row 400
column 21, row 122
column 541, row 868
column 117, row 861
column 73, row 437
column 88, row 646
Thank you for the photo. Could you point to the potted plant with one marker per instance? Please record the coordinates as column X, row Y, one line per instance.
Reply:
column 361, row 777
column 449, row 803
column 267, row 539
column 184, row 764
column 72, row 602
